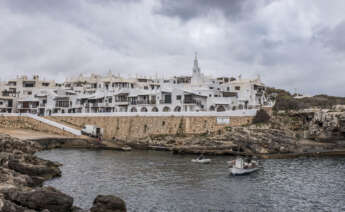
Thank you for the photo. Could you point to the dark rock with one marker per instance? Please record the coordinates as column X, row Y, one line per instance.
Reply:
column 108, row 203
column 7, row 206
column 41, row 198
column 43, row 168
column 77, row 209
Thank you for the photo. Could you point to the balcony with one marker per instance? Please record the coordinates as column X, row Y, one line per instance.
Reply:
column 165, row 102
column 146, row 102
column 121, row 102
column 191, row 102
column 27, row 106
column 105, row 104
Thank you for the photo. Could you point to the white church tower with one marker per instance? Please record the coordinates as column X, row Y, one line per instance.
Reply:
column 197, row 77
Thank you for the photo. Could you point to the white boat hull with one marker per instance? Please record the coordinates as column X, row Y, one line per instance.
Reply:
column 238, row 171
column 201, row 160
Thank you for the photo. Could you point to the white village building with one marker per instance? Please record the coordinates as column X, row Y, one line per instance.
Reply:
column 112, row 94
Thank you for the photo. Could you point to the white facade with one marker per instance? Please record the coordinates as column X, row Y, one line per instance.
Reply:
column 115, row 94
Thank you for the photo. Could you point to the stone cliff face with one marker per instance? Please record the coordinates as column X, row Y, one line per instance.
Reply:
column 328, row 126
column 284, row 133
column 247, row 140
column 21, row 178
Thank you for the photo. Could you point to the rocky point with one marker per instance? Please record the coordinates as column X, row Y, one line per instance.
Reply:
column 22, row 175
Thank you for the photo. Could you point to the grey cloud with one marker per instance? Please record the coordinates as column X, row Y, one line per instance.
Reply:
column 333, row 38
column 186, row 10
column 276, row 39
column 41, row 6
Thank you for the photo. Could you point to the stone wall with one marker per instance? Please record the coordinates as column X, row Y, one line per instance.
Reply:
column 21, row 122
column 127, row 127
column 139, row 126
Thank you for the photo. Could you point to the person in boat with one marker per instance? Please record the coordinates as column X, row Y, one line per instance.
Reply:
column 201, row 157
column 248, row 159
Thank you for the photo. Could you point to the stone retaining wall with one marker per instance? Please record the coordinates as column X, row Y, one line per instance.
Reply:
column 138, row 127
column 127, row 127
column 21, row 122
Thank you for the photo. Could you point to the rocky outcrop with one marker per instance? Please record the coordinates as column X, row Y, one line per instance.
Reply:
column 280, row 136
column 21, row 178
column 107, row 203
column 327, row 125
column 40, row 199
column 238, row 140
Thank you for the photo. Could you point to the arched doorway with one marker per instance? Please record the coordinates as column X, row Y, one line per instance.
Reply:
column 155, row 109
column 177, row 109
column 133, row 109
column 166, row 109
column 212, row 108
column 143, row 109
column 220, row 108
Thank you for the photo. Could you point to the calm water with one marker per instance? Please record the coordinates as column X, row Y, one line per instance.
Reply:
column 160, row 181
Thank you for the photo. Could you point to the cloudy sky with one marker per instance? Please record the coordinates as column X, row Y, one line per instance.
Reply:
column 293, row 44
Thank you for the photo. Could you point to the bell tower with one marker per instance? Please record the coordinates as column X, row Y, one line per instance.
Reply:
column 197, row 76
column 196, row 68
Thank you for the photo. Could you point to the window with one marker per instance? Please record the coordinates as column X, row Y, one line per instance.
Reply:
column 178, row 97
column 237, row 88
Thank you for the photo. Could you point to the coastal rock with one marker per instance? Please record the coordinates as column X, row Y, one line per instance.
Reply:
column 21, row 173
column 108, row 203
column 327, row 125
column 7, row 206
column 33, row 166
column 10, row 144
column 10, row 178
column 41, row 198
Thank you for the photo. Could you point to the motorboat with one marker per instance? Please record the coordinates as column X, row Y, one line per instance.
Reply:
column 201, row 160
column 241, row 166
column 126, row 148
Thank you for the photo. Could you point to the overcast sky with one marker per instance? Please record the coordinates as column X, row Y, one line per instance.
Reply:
column 292, row 44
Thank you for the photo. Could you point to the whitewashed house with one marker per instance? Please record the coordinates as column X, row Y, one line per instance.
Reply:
column 112, row 94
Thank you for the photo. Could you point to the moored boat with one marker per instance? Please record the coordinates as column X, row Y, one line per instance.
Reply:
column 205, row 160
column 241, row 167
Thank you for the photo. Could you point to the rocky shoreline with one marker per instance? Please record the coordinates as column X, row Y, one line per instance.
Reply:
column 286, row 135
column 22, row 175
column 263, row 143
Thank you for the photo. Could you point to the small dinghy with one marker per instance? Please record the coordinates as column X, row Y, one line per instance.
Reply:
column 205, row 160
column 201, row 159
column 241, row 166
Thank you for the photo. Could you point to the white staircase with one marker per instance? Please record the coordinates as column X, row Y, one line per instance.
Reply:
column 54, row 124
